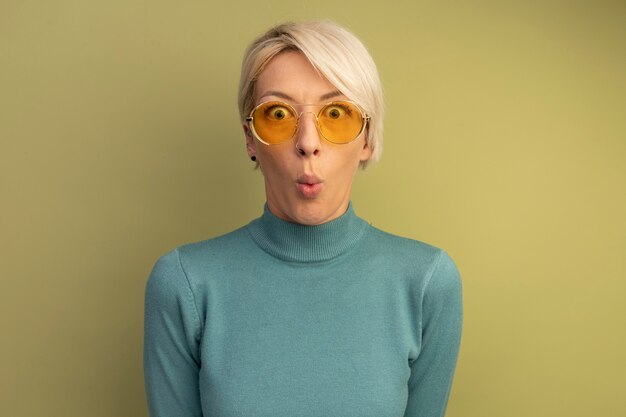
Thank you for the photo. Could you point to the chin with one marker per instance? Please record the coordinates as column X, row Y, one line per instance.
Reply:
column 311, row 221
column 306, row 211
column 311, row 213
column 305, row 217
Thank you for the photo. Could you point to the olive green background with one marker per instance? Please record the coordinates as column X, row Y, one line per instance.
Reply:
column 505, row 145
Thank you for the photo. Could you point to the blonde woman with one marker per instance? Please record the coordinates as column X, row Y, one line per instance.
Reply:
column 308, row 310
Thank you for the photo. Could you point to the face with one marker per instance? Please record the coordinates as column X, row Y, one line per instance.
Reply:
column 308, row 180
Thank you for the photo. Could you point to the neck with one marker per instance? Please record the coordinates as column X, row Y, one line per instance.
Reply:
column 307, row 243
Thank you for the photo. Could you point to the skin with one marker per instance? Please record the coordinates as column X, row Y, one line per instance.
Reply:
column 291, row 78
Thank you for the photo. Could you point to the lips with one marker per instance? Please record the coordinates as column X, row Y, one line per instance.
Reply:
column 309, row 186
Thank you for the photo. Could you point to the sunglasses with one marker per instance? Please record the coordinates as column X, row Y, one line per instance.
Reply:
column 274, row 122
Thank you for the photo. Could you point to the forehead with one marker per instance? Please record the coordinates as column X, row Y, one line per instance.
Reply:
column 291, row 74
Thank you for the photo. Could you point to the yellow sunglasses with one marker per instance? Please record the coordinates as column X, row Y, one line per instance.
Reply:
column 274, row 122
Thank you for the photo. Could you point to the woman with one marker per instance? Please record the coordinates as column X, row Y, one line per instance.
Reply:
column 308, row 310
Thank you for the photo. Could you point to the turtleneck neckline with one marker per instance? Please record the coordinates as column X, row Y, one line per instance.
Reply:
column 301, row 243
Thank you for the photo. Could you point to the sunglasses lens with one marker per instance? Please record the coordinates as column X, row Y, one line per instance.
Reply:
column 341, row 121
column 275, row 122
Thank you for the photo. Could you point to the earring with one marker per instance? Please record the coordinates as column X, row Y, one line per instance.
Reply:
column 253, row 158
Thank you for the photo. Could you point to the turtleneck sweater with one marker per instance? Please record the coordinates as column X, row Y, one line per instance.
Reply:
column 281, row 319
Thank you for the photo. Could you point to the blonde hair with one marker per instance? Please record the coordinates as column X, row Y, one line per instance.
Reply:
column 336, row 53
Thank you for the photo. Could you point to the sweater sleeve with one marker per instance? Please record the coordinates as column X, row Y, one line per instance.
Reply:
column 432, row 371
column 172, row 333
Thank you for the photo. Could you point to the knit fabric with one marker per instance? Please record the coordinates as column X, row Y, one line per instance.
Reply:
column 279, row 319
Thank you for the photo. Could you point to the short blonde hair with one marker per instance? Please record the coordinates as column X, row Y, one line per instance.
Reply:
column 336, row 53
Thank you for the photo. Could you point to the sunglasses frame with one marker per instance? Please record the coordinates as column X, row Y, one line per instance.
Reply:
column 250, row 120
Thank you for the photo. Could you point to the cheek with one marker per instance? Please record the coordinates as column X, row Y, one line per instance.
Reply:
column 274, row 163
column 347, row 162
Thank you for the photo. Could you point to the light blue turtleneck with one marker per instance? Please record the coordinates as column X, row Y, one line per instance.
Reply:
column 279, row 319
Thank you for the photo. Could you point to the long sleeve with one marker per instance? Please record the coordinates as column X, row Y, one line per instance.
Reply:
column 172, row 333
column 433, row 370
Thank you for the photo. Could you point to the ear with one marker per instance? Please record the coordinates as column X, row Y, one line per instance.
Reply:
column 250, row 142
column 366, row 152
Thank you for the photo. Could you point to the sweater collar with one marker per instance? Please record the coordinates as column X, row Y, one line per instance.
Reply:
column 300, row 243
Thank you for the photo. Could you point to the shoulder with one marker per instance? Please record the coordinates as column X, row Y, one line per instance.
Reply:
column 185, row 265
column 400, row 245
column 433, row 266
column 229, row 245
column 404, row 250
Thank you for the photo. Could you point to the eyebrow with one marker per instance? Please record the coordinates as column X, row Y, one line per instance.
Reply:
column 280, row 94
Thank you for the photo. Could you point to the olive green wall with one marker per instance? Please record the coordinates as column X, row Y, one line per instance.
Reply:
column 505, row 145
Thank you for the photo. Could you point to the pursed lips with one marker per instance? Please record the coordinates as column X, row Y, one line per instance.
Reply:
column 309, row 179
column 309, row 185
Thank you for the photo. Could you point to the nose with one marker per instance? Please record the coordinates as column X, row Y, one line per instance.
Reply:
column 308, row 139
